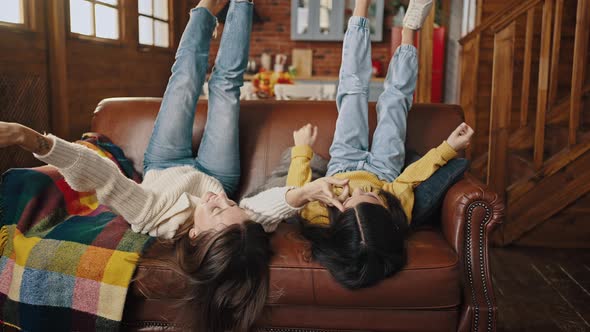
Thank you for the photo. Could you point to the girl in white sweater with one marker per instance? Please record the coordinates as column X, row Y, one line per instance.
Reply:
column 222, row 247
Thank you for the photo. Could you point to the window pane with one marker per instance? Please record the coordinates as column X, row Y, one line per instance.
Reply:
column 11, row 11
column 161, row 9
column 162, row 34
column 145, row 7
column 110, row 2
column 81, row 20
column 146, row 32
column 107, row 22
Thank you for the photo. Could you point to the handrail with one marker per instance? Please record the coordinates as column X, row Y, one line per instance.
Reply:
column 494, row 20
column 510, row 16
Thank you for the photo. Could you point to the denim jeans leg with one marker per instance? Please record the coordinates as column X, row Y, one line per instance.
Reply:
column 386, row 159
column 171, row 141
column 219, row 153
column 351, row 137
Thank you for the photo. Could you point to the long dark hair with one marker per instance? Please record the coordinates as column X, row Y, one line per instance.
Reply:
column 227, row 273
column 361, row 252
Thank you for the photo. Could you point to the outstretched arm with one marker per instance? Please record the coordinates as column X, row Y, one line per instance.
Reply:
column 416, row 173
column 84, row 170
column 16, row 134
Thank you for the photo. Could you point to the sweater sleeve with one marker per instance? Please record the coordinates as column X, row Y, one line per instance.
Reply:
column 416, row 173
column 85, row 170
column 300, row 169
column 269, row 207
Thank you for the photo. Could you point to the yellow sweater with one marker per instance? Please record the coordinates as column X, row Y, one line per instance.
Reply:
column 402, row 187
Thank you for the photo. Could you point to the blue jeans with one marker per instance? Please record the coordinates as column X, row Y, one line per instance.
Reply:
column 350, row 147
column 171, row 141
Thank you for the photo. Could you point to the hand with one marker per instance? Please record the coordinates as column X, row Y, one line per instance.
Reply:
column 460, row 137
column 25, row 137
column 321, row 190
column 305, row 135
column 10, row 134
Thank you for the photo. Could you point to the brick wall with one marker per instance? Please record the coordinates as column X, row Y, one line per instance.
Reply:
column 274, row 36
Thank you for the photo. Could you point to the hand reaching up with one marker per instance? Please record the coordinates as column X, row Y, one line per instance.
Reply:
column 460, row 137
column 305, row 135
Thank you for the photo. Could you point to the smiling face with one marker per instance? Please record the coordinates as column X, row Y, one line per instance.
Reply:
column 216, row 211
column 360, row 196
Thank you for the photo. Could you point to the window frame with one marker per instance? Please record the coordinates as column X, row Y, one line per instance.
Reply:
column 119, row 7
column 170, row 28
column 28, row 19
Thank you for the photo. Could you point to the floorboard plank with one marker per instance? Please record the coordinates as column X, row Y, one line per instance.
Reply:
column 541, row 289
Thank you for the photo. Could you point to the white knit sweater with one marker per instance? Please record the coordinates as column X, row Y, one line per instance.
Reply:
column 164, row 200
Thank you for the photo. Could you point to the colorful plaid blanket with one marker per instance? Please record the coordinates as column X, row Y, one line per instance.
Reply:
column 67, row 261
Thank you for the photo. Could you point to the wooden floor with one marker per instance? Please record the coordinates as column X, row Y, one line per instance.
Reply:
column 539, row 289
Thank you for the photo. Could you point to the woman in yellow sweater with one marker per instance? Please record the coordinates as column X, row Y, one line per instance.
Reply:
column 361, row 240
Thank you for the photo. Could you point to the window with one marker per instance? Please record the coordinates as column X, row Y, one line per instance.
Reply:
column 95, row 18
column 321, row 19
column 12, row 11
column 154, row 23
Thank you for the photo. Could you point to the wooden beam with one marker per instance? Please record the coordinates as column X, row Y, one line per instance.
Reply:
column 545, row 201
column 424, row 89
column 553, row 76
column 468, row 85
column 57, row 67
column 542, row 91
column 526, row 76
column 501, row 108
column 579, row 67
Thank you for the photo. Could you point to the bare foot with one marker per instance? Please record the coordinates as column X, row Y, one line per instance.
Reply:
column 361, row 8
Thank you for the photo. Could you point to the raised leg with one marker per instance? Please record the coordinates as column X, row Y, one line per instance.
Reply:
column 349, row 148
column 219, row 153
column 170, row 143
column 388, row 150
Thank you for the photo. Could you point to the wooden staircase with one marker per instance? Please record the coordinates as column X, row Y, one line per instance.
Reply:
column 532, row 120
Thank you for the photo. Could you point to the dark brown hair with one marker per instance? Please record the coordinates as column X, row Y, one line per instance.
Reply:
column 227, row 274
column 362, row 245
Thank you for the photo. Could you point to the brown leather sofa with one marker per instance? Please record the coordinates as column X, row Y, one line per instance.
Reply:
column 446, row 285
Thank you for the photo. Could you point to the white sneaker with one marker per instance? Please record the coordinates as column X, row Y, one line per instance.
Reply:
column 417, row 12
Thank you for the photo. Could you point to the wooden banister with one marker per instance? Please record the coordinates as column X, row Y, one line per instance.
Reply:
column 426, row 36
column 542, row 92
column 526, row 76
column 512, row 15
column 469, row 66
column 501, row 107
column 519, row 8
column 579, row 67
column 555, row 52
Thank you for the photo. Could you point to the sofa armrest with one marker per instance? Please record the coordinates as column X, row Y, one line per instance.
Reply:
column 471, row 211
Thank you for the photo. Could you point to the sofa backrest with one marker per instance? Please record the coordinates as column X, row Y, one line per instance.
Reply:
column 266, row 128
